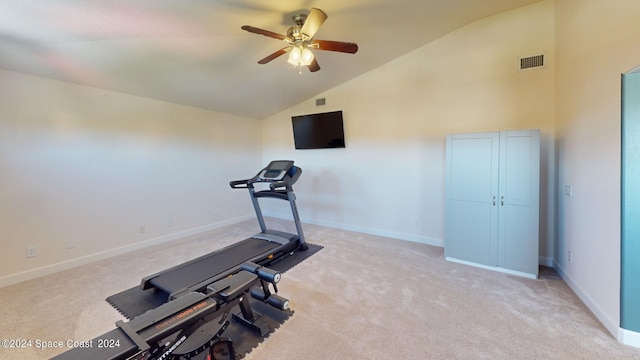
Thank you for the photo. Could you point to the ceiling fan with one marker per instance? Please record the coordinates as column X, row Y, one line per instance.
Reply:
column 300, row 41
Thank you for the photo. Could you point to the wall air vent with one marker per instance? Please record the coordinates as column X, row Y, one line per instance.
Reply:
column 320, row 101
column 532, row 62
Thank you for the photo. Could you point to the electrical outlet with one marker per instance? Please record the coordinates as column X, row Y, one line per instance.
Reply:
column 214, row 212
column 69, row 244
column 142, row 229
column 570, row 256
column 169, row 221
column 31, row 251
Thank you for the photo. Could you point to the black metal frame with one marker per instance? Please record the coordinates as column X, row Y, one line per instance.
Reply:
column 143, row 336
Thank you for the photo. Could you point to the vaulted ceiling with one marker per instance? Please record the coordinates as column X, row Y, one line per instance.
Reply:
column 193, row 52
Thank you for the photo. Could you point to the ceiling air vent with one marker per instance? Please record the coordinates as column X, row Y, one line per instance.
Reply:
column 320, row 102
column 532, row 62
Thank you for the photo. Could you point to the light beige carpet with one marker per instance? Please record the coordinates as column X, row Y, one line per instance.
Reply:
column 361, row 297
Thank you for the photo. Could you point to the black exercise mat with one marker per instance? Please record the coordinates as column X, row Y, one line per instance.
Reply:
column 245, row 340
column 135, row 301
column 286, row 263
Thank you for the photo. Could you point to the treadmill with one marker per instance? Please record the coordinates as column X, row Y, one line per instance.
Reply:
column 264, row 248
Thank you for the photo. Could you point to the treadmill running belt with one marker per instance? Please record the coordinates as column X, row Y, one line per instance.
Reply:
column 211, row 264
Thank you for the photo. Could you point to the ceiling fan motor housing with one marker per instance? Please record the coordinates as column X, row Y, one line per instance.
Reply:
column 294, row 34
column 299, row 19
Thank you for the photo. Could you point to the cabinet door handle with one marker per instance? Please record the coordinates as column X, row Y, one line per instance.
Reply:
column 494, row 201
column 502, row 200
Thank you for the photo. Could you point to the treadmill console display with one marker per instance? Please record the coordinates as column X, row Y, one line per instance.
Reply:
column 275, row 171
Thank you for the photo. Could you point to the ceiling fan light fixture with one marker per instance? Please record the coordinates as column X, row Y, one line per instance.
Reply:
column 300, row 56
column 295, row 55
column 307, row 57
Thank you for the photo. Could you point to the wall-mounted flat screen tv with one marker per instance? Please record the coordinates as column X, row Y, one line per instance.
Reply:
column 318, row 131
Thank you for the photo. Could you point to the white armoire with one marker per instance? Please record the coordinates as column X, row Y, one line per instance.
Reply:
column 492, row 200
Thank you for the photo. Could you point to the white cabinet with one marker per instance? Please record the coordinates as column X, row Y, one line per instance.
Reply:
column 492, row 200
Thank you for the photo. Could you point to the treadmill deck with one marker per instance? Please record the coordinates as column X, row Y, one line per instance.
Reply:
column 211, row 265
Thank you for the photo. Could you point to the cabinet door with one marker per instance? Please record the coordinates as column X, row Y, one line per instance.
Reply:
column 471, row 188
column 519, row 201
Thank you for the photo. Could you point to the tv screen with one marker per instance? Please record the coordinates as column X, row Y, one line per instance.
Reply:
column 318, row 131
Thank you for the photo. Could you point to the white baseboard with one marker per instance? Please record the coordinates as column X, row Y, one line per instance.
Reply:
column 87, row 259
column 629, row 337
column 366, row 230
column 547, row 261
column 608, row 323
column 493, row 268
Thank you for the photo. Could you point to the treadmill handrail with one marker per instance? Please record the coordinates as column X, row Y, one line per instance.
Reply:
column 292, row 177
column 287, row 182
column 238, row 184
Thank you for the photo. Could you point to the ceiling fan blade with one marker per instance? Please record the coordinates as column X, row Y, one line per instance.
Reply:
column 276, row 54
column 311, row 25
column 258, row 31
column 313, row 67
column 340, row 46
